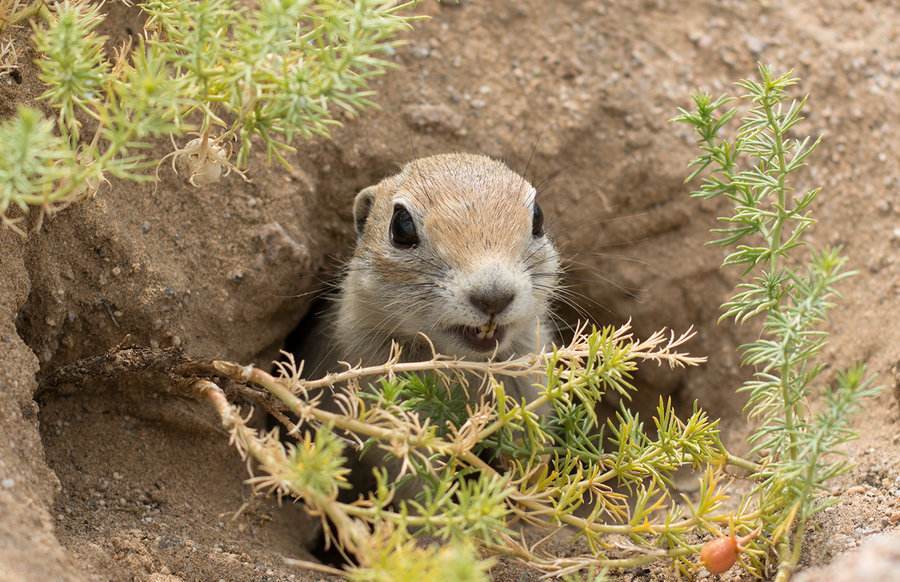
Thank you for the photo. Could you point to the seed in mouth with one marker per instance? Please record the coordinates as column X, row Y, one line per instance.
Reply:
column 480, row 338
column 486, row 331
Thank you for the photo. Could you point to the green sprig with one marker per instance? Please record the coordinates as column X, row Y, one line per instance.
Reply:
column 217, row 69
column 767, row 229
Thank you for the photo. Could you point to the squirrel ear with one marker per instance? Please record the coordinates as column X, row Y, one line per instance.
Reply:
column 362, row 204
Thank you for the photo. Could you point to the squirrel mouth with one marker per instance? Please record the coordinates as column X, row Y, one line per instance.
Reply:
column 484, row 338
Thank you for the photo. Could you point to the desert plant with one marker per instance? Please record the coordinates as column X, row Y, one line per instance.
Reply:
column 799, row 450
column 217, row 69
column 543, row 468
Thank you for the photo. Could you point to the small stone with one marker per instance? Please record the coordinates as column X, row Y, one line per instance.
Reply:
column 8, row 483
column 145, row 227
column 895, row 235
column 700, row 40
column 895, row 517
column 755, row 44
column 438, row 118
column 278, row 245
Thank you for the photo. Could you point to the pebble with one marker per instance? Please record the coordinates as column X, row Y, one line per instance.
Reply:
column 8, row 483
column 755, row 44
column 429, row 117
column 701, row 41
column 421, row 52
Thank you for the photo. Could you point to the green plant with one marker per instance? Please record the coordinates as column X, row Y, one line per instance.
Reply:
column 545, row 466
column 220, row 70
column 799, row 450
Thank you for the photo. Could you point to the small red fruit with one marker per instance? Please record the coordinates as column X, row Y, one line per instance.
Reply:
column 720, row 554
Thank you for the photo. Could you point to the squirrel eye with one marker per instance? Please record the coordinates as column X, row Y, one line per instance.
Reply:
column 403, row 229
column 537, row 221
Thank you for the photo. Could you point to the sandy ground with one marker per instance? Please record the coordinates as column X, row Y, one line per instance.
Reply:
column 114, row 482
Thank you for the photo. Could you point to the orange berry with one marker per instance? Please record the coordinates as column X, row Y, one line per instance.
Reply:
column 720, row 554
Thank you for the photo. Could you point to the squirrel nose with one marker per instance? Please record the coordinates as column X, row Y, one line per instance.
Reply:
column 492, row 302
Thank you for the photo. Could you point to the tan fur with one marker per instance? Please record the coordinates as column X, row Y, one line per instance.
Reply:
column 474, row 216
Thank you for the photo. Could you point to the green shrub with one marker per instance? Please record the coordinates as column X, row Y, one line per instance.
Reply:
column 217, row 70
column 798, row 450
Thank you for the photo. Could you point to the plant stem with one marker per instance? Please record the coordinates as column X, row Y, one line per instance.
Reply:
column 304, row 410
column 742, row 463
column 774, row 249
column 352, row 533
column 552, row 565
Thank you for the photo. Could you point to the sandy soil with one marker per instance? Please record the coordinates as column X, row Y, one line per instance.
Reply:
column 113, row 481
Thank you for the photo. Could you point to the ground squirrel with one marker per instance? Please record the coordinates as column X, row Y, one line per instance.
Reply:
column 452, row 247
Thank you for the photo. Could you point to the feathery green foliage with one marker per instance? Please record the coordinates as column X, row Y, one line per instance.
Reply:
column 792, row 294
column 74, row 66
column 219, row 70
column 547, row 469
column 401, row 560
column 34, row 160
